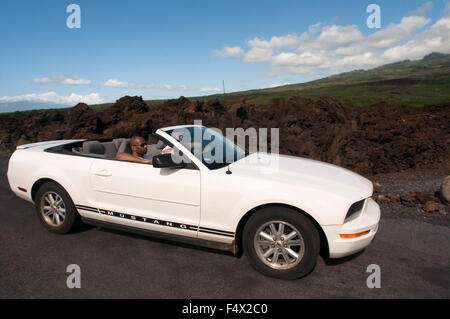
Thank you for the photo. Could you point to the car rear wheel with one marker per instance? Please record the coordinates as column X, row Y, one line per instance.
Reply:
column 281, row 243
column 55, row 209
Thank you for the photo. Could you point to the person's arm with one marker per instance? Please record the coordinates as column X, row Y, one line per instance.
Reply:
column 130, row 158
column 167, row 151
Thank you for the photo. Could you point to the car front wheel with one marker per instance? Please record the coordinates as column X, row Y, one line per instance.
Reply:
column 281, row 243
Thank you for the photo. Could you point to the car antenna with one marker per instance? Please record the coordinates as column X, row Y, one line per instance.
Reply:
column 228, row 170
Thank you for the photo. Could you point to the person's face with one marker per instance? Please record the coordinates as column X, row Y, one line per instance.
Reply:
column 180, row 138
column 139, row 146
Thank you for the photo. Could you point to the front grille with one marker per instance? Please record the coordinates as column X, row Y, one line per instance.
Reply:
column 354, row 211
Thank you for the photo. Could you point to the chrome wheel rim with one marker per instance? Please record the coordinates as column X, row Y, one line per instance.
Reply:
column 279, row 245
column 53, row 209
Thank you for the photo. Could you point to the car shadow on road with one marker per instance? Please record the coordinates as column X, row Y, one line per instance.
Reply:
column 166, row 241
column 82, row 228
column 335, row 262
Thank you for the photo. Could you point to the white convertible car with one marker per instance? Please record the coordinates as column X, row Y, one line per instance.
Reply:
column 281, row 218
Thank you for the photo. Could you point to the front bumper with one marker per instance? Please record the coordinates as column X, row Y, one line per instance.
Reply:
column 367, row 221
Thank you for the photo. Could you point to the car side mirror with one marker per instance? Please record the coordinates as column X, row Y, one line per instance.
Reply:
column 166, row 161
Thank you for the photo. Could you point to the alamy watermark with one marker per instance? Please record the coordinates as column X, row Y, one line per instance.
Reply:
column 212, row 147
column 374, row 279
column 74, row 19
column 74, row 279
column 374, row 20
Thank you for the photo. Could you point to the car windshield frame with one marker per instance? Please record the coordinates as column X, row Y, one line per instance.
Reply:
column 212, row 138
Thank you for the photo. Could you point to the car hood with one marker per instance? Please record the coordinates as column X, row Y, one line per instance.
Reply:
column 304, row 173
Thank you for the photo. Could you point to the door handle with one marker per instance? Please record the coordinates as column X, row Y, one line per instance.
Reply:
column 103, row 172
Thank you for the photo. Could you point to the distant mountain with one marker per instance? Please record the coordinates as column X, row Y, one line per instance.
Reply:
column 434, row 56
column 6, row 107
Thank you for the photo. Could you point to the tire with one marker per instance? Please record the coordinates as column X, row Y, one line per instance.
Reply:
column 55, row 209
column 281, row 242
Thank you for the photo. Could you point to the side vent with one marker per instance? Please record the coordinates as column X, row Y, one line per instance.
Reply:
column 355, row 211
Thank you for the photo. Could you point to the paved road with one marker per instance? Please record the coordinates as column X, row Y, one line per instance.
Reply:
column 413, row 256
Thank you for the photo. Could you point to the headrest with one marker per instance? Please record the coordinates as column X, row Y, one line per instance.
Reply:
column 125, row 147
column 93, row 147
column 117, row 142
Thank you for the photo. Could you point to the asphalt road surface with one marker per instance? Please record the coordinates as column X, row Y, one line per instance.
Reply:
column 413, row 259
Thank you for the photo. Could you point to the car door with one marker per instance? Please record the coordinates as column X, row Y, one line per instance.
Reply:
column 140, row 195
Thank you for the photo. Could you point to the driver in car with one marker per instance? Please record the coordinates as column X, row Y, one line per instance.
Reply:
column 138, row 152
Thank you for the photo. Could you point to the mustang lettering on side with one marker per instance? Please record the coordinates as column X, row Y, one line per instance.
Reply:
column 220, row 196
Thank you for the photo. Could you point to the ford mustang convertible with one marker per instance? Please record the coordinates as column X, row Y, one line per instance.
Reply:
column 281, row 211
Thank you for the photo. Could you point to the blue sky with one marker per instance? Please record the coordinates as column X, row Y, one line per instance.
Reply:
column 164, row 49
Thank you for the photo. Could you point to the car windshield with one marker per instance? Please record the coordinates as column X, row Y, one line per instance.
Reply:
column 208, row 145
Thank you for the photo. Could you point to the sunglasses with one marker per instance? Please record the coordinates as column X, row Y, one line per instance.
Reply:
column 141, row 145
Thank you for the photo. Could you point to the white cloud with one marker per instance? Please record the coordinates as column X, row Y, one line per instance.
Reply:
column 287, row 41
column 338, row 36
column 61, row 79
column 434, row 39
column 54, row 98
column 229, row 52
column 42, row 80
column 312, row 30
column 258, row 54
column 395, row 33
column 329, row 49
column 70, row 81
column 427, row 6
column 113, row 83
column 262, row 50
column 306, row 58
column 385, row 38
column 210, row 90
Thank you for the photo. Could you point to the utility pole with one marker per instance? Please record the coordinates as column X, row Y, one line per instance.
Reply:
column 223, row 85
